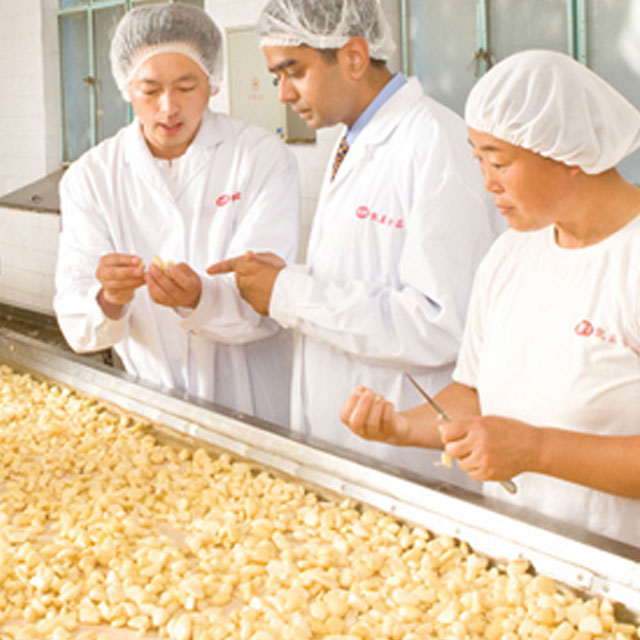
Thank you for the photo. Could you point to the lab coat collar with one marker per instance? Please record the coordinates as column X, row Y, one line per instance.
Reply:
column 209, row 135
column 381, row 126
column 139, row 157
column 386, row 119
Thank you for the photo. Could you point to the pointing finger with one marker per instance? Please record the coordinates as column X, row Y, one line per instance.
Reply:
column 224, row 266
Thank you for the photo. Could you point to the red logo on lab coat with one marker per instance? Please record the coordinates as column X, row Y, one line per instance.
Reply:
column 225, row 198
column 364, row 213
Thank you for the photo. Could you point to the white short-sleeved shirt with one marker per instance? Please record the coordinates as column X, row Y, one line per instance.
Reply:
column 553, row 339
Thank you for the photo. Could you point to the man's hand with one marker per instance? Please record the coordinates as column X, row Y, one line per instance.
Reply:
column 491, row 447
column 372, row 417
column 120, row 275
column 255, row 273
column 175, row 285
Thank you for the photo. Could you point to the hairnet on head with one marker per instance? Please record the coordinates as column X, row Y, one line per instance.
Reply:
column 325, row 24
column 165, row 28
column 551, row 104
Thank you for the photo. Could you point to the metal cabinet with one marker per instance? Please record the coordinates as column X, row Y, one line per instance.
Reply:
column 253, row 97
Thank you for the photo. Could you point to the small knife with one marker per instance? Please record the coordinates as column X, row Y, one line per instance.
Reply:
column 509, row 485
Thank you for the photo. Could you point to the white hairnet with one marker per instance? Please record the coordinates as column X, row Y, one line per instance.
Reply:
column 325, row 24
column 165, row 28
column 551, row 104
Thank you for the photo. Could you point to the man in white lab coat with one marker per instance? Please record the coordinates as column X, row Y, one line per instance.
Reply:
column 145, row 211
column 402, row 223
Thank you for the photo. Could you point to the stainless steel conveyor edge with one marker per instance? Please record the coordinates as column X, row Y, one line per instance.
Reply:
column 593, row 565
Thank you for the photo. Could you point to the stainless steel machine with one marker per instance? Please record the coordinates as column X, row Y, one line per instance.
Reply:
column 591, row 564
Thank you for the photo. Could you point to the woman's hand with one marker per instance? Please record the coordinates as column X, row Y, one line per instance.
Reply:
column 492, row 447
column 372, row 417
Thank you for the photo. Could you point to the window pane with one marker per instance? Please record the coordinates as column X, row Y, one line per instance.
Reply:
column 612, row 28
column 526, row 24
column 63, row 4
column 75, row 67
column 443, row 40
column 111, row 109
column 197, row 3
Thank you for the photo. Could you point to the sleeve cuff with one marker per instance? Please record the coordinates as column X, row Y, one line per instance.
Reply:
column 462, row 375
column 291, row 279
column 97, row 316
column 195, row 319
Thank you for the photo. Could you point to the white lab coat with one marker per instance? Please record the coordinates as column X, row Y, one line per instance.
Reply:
column 236, row 188
column 394, row 246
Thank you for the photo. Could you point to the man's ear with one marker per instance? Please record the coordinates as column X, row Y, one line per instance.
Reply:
column 353, row 57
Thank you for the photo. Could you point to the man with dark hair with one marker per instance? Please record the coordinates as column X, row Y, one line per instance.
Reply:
column 188, row 185
column 401, row 225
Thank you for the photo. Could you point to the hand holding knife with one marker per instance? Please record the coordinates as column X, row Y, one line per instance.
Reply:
column 509, row 485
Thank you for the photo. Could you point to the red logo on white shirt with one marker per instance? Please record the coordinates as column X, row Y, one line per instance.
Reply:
column 587, row 329
column 364, row 213
column 225, row 198
column 584, row 328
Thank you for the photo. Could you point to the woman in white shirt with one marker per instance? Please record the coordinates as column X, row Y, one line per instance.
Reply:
column 547, row 383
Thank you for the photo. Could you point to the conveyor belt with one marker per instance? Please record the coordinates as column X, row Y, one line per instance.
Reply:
column 592, row 564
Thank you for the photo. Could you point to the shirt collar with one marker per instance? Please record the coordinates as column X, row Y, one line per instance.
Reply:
column 397, row 81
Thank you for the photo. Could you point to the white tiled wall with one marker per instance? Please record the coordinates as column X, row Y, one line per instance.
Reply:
column 28, row 252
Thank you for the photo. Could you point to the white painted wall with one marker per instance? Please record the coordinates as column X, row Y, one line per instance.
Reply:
column 29, row 148
column 29, row 113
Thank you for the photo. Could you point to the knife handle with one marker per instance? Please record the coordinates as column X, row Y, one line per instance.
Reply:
column 509, row 485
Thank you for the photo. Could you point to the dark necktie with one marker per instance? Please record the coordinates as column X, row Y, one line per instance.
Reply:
column 343, row 148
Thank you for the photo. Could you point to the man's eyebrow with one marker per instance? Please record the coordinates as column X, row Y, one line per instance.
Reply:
column 283, row 65
column 188, row 77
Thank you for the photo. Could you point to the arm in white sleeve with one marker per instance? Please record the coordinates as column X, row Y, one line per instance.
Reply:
column 269, row 224
column 417, row 322
column 478, row 314
column 468, row 361
column 222, row 315
column 84, row 238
